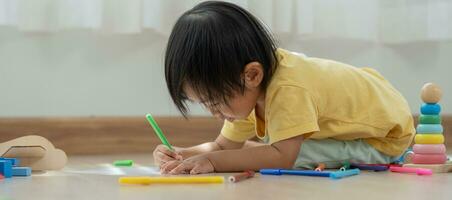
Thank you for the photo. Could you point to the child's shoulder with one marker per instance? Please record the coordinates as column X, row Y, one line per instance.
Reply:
column 293, row 69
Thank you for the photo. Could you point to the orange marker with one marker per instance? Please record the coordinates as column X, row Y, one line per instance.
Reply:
column 320, row 167
column 242, row 176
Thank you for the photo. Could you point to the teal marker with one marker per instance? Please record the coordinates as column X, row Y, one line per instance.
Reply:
column 158, row 131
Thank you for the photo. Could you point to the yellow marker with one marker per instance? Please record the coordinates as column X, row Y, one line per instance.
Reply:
column 429, row 139
column 146, row 180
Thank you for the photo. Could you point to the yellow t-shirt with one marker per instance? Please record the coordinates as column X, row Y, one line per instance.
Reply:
column 328, row 99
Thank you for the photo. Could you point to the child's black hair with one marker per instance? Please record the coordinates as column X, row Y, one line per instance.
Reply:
column 208, row 49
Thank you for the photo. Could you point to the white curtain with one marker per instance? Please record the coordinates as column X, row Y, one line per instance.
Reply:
column 389, row 21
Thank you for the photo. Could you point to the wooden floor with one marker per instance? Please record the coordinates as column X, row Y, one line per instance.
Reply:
column 93, row 177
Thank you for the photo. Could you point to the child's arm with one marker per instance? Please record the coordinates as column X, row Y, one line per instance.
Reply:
column 162, row 154
column 281, row 154
column 221, row 143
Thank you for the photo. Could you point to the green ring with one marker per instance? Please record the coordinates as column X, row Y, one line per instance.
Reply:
column 430, row 119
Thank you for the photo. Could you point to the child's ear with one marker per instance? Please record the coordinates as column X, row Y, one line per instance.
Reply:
column 253, row 74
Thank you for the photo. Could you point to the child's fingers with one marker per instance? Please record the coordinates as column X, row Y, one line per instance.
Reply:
column 163, row 158
column 162, row 155
column 166, row 167
column 168, row 152
column 182, row 168
column 202, row 168
column 197, row 170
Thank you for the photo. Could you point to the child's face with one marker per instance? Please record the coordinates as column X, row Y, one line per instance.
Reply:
column 240, row 105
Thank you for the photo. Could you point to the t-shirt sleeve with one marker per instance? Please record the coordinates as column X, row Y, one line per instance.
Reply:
column 292, row 112
column 239, row 130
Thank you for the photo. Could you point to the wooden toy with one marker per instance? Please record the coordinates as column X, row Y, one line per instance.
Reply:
column 21, row 171
column 6, row 168
column 429, row 151
column 14, row 161
column 431, row 93
column 35, row 152
column 437, row 168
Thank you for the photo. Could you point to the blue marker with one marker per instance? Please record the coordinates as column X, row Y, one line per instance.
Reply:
column 376, row 168
column 342, row 174
column 295, row 172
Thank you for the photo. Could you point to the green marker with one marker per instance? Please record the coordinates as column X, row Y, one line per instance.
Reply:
column 158, row 131
column 123, row 163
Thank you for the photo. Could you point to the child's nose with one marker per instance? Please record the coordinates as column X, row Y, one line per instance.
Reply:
column 217, row 115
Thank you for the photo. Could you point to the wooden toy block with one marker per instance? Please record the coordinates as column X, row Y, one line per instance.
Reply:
column 436, row 168
column 35, row 152
column 21, row 171
column 14, row 161
column 25, row 152
column 431, row 93
column 6, row 168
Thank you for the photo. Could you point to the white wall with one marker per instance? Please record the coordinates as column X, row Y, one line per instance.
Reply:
column 85, row 73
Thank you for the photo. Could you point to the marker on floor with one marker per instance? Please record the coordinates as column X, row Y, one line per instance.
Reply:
column 418, row 171
column 341, row 174
column 371, row 167
column 320, row 167
column 123, row 163
column 294, row 172
column 345, row 166
column 241, row 176
column 146, row 180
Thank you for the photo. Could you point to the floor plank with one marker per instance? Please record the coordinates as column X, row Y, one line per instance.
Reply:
column 93, row 177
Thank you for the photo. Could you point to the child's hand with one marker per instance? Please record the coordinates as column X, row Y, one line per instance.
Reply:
column 163, row 155
column 194, row 165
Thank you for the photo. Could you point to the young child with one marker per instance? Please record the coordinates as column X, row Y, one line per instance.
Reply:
column 306, row 110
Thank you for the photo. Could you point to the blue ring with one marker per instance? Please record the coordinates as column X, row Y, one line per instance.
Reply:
column 429, row 128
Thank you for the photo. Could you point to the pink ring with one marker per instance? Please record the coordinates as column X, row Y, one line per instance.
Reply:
column 429, row 158
column 429, row 148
